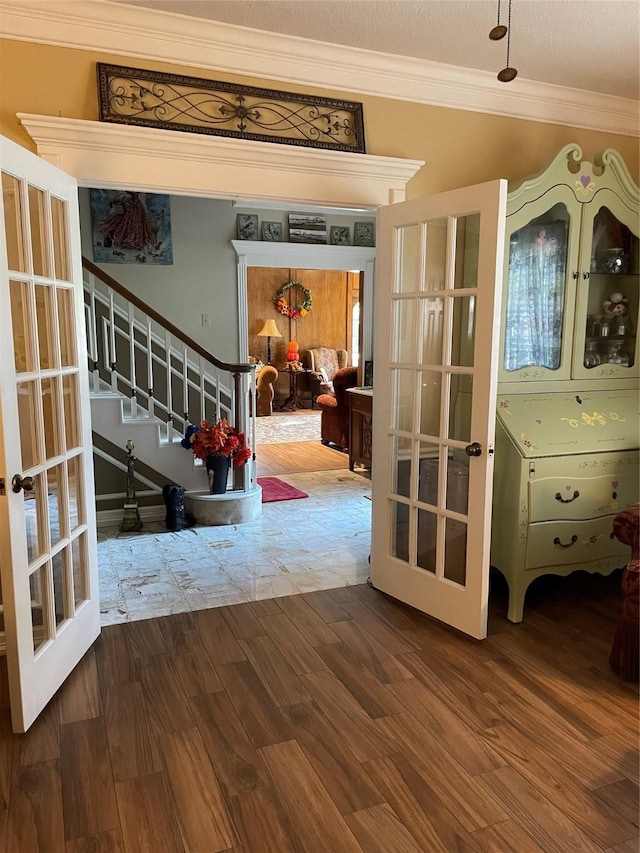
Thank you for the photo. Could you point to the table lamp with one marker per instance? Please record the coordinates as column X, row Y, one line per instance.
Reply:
column 268, row 331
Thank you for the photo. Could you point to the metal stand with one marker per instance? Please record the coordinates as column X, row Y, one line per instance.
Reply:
column 131, row 519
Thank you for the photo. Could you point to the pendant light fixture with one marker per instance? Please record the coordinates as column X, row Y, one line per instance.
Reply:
column 499, row 32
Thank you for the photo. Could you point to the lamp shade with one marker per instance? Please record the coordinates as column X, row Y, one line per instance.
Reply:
column 269, row 330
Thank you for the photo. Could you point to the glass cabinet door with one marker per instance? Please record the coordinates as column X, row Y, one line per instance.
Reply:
column 607, row 319
column 540, row 290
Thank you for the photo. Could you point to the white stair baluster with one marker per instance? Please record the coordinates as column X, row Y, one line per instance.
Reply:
column 150, row 402
column 217, row 398
column 185, row 384
column 112, row 342
column 167, row 355
column 132, row 361
column 203, row 401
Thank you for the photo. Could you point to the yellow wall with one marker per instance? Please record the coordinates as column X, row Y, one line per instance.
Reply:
column 459, row 147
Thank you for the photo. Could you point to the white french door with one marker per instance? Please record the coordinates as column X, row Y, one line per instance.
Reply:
column 437, row 310
column 48, row 557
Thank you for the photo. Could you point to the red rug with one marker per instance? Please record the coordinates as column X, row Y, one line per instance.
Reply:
column 274, row 489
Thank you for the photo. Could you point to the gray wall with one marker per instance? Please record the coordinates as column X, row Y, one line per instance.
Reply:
column 203, row 276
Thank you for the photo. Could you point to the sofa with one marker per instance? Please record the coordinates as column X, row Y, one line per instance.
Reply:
column 334, row 408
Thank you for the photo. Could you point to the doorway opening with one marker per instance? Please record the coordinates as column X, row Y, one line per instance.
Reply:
column 118, row 157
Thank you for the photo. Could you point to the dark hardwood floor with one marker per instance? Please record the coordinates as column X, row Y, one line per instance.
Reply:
column 336, row 721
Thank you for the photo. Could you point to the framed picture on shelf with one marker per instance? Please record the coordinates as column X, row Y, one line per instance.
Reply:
column 340, row 235
column 247, row 226
column 363, row 234
column 271, row 231
column 307, row 228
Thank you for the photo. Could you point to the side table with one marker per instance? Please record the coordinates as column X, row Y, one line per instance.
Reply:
column 360, row 421
column 294, row 399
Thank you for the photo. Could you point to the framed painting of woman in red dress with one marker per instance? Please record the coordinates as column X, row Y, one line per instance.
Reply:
column 130, row 227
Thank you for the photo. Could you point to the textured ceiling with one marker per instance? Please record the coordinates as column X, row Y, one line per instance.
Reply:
column 585, row 44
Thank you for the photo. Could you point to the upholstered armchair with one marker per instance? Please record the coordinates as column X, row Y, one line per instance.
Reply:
column 265, row 382
column 334, row 408
column 324, row 362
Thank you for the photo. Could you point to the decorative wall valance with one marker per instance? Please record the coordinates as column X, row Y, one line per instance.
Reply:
column 196, row 105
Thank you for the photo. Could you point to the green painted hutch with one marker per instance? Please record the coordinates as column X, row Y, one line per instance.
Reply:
column 566, row 454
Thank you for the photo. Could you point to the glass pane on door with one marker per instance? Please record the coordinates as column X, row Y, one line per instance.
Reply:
column 455, row 551
column 51, row 406
column 38, row 231
column 45, row 324
column 22, row 326
column 426, row 557
column 62, row 266
column 14, row 234
column 432, row 330
column 56, row 503
column 39, row 606
column 66, row 328
column 59, row 580
column 28, row 422
column 79, row 569
column 408, row 276
column 70, row 397
column 435, row 254
column 400, row 530
column 35, row 519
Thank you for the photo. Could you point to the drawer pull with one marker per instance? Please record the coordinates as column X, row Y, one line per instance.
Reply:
column 559, row 497
column 557, row 541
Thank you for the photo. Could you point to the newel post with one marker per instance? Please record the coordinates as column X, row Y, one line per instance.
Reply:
column 241, row 422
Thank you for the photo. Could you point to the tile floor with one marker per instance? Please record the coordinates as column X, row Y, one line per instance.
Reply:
column 319, row 542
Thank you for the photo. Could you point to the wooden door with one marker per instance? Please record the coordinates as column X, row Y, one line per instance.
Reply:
column 437, row 311
column 48, row 556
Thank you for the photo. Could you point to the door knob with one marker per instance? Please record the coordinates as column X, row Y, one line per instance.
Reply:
column 19, row 482
column 473, row 449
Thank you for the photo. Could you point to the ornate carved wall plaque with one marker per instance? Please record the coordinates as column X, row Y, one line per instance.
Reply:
column 174, row 102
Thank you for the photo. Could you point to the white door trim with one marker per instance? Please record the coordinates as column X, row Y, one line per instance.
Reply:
column 99, row 154
column 254, row 253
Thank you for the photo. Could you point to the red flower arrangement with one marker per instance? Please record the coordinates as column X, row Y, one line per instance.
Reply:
column 219, row 439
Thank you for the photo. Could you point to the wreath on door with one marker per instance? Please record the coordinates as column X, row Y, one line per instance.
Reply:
column 287, row 306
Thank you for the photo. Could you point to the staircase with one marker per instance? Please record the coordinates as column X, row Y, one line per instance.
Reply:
column 112, row 420
column 148, row 381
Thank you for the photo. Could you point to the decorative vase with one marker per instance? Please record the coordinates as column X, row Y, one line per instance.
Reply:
column 218, row 473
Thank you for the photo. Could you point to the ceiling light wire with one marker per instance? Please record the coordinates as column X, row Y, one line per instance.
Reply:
column 508, row 74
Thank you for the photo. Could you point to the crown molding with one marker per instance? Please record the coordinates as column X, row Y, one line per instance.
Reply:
column 130, row 31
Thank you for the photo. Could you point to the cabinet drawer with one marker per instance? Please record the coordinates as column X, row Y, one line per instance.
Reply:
column 583, row 542
column 567, row 497
column 610, row 464
column 362, row 403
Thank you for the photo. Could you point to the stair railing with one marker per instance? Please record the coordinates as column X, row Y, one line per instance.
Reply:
column 163, row 372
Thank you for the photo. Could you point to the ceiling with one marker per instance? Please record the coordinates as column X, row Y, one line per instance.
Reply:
column 583, row 44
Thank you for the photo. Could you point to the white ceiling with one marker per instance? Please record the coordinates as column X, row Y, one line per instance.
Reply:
column 584, row 44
